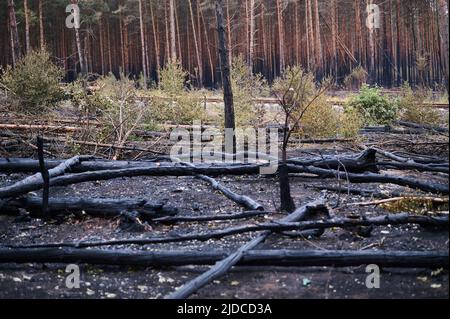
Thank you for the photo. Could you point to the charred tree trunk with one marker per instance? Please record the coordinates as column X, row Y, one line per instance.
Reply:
column 287, row 224
column 93, row 206
column 36, row 181
column 281, row 258
column 14, row 32
column 226, row 264
column 44, row 175
column 287, row 203
column 226, row 70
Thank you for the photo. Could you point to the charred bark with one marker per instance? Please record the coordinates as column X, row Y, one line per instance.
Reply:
column 36, row 182
column 226, row 264
column 92, row 206
column 283, row 258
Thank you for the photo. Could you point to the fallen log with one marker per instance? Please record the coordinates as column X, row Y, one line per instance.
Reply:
column 424, row 158
column 242, row 200
column 175, row 170
column 414, row 166
column 373, row 178
column 92, row 206
column 45, row 176
column 180, row 170
column 223, row 266
column 391, row 130
column 169, row 170
column 36, row 182
column 239, row 199
column 281, row 258
column 209, row 218
column 25, row 165
column 29, row 127
column 410, row 160
column 221, row 233
column 423, row 126
column 281, row 226
column 394, row 157
column 365, row 162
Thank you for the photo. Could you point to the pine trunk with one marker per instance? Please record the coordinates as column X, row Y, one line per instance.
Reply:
column 225, row 66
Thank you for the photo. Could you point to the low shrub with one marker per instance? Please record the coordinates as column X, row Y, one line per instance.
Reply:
column 246, row 86
column 172, row 101
column 321, row 120
column 375, row 108
column 356, row 78
column 35, row 81
column 412, row 108
column 351, row 122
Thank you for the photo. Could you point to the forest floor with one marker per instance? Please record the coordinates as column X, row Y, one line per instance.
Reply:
column 193, row 197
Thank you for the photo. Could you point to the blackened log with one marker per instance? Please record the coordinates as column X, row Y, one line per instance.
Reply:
column 361, row 163
column 243, row 200
column 174, row 170
column 423, row 126
column 414, row 166
column 209, row 218
column 412, row 160
column 223, row 266
column 282, row 258
column 365, row 162
column 45, row 176
column 286, row 224
column 93, row 206
column 25, row 165
column 373, row 178
column 35, row 182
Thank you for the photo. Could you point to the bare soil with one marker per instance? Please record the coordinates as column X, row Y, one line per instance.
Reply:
column 194, row 197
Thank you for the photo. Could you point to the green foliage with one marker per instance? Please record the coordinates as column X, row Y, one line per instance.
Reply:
column 320, row 120
column 172, row 78
column 246, row 87
column 85, row 101
column 35, row 81
column 351, row 122
column 412, row 108
column 375, row 108
column 306, row 103
column 173, row 102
